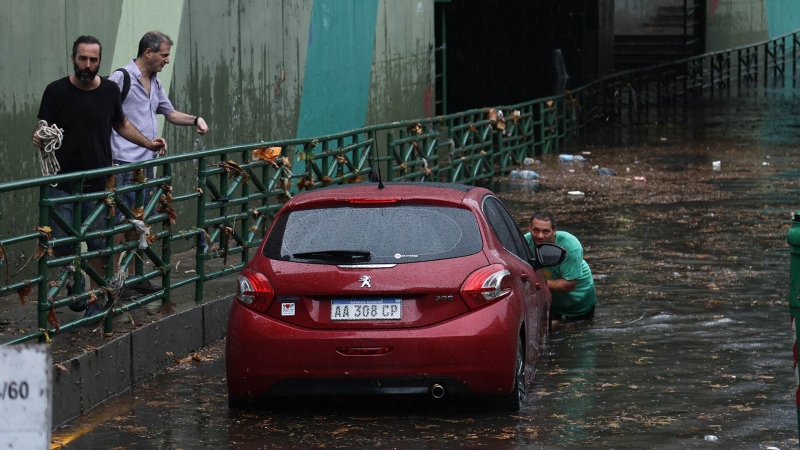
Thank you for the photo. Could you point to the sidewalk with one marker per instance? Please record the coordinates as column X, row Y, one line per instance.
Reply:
column 144, row 344
column 90, row 368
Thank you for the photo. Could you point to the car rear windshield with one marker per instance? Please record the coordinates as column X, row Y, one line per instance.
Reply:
column 374, row 235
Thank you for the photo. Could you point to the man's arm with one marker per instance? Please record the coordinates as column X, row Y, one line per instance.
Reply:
column 37, row 141
column 178, row 118
column 562, row 285
column 129, row 131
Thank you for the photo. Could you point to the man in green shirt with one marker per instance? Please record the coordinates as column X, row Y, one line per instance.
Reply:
column 571, row 281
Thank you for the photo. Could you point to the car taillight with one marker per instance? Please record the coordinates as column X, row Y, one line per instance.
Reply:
column 255, row 291
column 486, row 285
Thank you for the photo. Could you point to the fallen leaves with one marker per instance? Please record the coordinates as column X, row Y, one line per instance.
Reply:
column 23, row 293
column 269, row 154
column 194, row 357
column 232, row 169
column 166, row 207
column 42, row 246
column 742, row 408
column 415, row 128
column 51, row 318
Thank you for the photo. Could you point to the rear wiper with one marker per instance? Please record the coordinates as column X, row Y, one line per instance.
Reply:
column 335, row 255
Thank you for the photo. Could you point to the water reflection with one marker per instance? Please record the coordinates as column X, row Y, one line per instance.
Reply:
column 574, row 403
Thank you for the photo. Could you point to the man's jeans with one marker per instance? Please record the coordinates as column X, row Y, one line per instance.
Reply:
column 66, row 210
column 129, row 198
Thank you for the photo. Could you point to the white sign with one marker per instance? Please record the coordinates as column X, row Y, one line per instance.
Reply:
column 25, row 397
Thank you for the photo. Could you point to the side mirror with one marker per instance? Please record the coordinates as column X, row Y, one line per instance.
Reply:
column 549, row 255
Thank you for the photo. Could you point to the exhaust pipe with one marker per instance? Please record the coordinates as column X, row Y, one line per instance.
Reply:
column 437, row 391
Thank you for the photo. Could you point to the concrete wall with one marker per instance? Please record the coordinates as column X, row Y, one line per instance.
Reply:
column 404, row 69
column 732, row 23
column 636, row 16
column 605, row 37
column 729, row 23
column 257, row 70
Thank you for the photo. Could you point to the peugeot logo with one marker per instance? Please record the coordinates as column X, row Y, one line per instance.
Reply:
column 365, row 281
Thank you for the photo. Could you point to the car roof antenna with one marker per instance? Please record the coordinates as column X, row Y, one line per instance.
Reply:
column 380, row 178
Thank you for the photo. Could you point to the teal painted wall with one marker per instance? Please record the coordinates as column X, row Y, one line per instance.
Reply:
column 783, row 16
column 336, row 81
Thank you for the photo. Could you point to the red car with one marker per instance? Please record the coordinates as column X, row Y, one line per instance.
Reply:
column 402, row 288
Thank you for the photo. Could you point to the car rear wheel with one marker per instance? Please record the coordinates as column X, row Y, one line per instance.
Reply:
column 237, row 403
column 514, row 399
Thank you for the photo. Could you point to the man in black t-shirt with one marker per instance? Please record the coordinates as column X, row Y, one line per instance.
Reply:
column 86, row 107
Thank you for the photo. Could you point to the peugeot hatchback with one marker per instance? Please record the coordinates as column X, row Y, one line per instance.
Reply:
column 402, row 288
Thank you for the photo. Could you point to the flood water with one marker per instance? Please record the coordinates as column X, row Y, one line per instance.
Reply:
column 691, row 346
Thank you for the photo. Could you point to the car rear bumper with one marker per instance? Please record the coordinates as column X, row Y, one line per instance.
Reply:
column 367, row 386
column 474, row 353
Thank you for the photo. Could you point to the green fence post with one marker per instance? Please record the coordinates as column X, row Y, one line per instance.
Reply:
column 202, row 244
column 166, row 248
column 793, row 239
column 542, row 129
column 138, row 205
column 244, row 223
column 404, row 156
column 498, row 161
column 390, row 156
column 108, row 263
column 325, row 162
column 451, row 136
column 43, row 304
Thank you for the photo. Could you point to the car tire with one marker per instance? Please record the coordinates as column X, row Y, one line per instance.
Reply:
column 235, row 403
column 514, row 399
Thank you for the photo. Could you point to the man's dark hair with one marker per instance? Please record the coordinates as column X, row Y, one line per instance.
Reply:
column 153, row 41
column 86, row 40
column 545, row 217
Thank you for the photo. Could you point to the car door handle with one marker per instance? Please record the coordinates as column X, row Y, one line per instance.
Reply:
column 538, row 286
column 525, row 277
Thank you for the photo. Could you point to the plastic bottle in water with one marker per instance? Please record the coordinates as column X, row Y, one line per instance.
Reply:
column 523, row 175
column 569, row 158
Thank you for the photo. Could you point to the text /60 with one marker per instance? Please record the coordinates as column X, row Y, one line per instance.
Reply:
column 14, row 390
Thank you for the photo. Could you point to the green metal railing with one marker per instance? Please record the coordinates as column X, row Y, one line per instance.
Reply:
column 793, row 239
column 217, row 204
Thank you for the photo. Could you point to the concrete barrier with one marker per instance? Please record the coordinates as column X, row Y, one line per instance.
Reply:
column 83, row 382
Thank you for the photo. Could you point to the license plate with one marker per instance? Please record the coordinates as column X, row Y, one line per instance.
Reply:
column 379, row 309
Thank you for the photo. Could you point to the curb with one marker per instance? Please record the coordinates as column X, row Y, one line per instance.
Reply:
column 133, row 357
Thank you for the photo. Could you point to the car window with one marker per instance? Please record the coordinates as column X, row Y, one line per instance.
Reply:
column 374, row 235
column 523, row 249
column 504, row 227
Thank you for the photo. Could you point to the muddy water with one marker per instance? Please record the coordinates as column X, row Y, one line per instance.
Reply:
column 691, row 346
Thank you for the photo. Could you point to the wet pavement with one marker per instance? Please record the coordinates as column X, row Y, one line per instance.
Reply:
column 691, row 346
